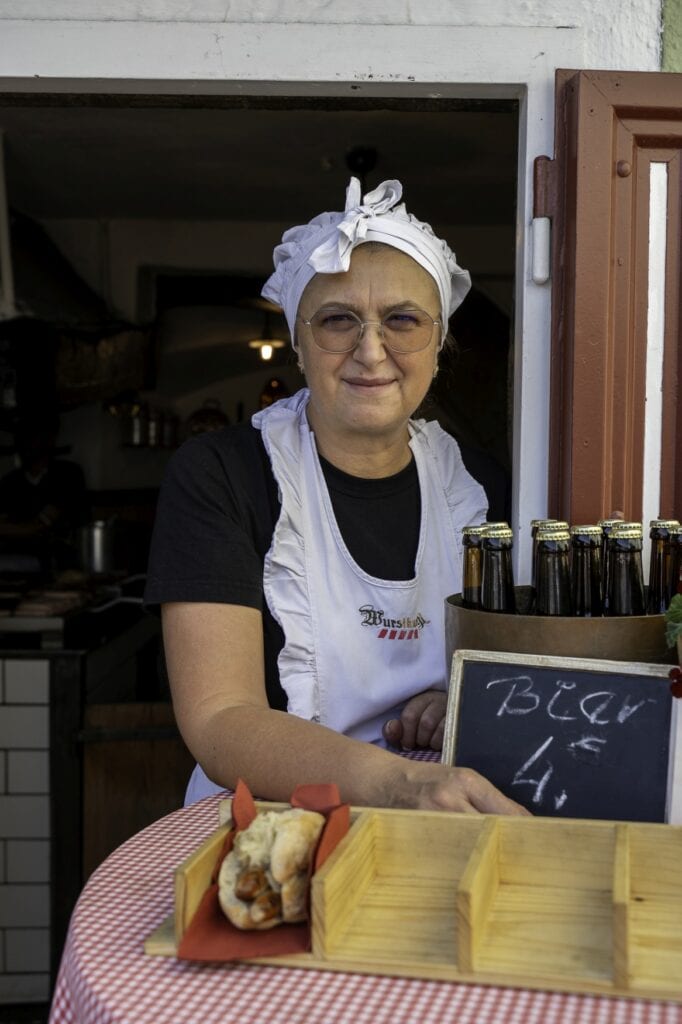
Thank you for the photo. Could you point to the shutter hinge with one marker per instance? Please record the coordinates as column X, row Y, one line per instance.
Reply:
column 544, row 205
column 544, row 187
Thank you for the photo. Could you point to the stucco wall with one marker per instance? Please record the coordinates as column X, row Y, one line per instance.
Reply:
column 272, row 39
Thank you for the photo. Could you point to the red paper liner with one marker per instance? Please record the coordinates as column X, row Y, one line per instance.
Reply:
column 210, row 936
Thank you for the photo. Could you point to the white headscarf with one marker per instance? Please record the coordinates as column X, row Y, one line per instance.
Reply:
column 325, row 244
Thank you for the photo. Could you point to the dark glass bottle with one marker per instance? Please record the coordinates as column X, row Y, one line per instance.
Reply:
column 626, row 582
column 676, row 561
column 497, row 576
column 607, row 526
column 472, row 566
column 553, row 596
column 535, row 525
column 660, row 569
column 586, row 571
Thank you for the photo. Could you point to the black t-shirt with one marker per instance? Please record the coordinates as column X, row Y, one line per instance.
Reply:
column 217, row 512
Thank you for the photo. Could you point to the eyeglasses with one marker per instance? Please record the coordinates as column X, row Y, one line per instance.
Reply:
column 402, row 330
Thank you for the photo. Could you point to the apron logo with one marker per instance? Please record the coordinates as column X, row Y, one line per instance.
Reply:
column 392, row 629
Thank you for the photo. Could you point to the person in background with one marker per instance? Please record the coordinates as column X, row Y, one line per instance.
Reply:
column 42, row 500
column 301, row 561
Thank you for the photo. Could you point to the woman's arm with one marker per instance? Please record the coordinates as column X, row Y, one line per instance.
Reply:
column 214, row 655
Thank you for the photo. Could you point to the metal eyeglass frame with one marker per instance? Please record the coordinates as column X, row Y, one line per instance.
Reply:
column 376, row 323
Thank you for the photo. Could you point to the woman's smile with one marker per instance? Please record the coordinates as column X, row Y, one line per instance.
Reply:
column 373, row 383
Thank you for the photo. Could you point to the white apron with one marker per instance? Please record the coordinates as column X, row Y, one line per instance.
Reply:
column 357, row 647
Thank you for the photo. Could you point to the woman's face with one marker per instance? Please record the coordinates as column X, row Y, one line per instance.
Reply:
column 369, row 391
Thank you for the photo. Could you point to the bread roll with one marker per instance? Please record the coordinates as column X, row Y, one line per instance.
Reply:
column 263, row 881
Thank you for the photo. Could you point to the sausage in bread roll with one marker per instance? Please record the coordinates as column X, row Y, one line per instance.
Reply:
column 263, row 880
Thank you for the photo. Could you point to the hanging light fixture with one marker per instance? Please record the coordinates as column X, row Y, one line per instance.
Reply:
column 266, row 344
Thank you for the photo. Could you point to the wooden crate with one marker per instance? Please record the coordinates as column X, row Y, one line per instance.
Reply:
column 577, row 906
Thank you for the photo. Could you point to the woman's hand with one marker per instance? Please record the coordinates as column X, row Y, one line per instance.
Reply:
column 421, row 722
column 437, row 787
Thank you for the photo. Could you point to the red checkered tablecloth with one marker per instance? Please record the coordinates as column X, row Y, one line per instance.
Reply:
column 105, row 975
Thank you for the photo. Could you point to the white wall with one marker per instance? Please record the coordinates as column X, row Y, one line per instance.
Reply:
column 242, row 39
column 480, row 48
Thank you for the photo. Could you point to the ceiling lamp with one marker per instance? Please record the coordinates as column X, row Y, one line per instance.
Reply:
column 266, row 344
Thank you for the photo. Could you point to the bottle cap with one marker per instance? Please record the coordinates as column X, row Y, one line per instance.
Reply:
column 541, row 522
column 498, row 531
column 492, row 526
column 663, row 524
column 474, row 530
column 628, row 531
column 609, row 523
column 587, row 530
column 553, row 533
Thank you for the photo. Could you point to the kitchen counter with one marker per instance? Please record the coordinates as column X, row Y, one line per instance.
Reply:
column 42, row 616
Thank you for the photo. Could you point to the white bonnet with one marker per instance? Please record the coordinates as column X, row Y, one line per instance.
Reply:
column 324, row 246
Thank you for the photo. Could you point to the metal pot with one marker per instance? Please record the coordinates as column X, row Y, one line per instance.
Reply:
column 96, row 546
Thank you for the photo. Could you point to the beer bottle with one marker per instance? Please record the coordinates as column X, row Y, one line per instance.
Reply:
column 607, row 526
column 626, row 583
column 471, row 570
column 553, row 571
column 497, row 574
column 586, row 574
column 660, row 568
column 676, row 561
column 535, row 525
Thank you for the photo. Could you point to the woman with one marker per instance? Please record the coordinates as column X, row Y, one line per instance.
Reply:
column 302, row 561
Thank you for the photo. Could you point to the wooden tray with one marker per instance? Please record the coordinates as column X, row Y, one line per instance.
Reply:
column 572, row 905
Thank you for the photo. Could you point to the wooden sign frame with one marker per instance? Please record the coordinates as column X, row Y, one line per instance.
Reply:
column 460, row 659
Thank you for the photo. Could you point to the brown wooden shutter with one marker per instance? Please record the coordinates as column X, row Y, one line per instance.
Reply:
column 610, row 127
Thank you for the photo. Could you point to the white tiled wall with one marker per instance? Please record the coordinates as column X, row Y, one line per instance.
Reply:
column 27, row 860
column 28, row 771
column 27, row 682
column 24, row 830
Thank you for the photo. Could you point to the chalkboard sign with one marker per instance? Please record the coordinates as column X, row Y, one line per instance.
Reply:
column 569, row 737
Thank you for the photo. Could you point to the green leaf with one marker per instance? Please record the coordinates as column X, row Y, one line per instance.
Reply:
column 673, row 621
column 674, row 612
column 673, row 631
